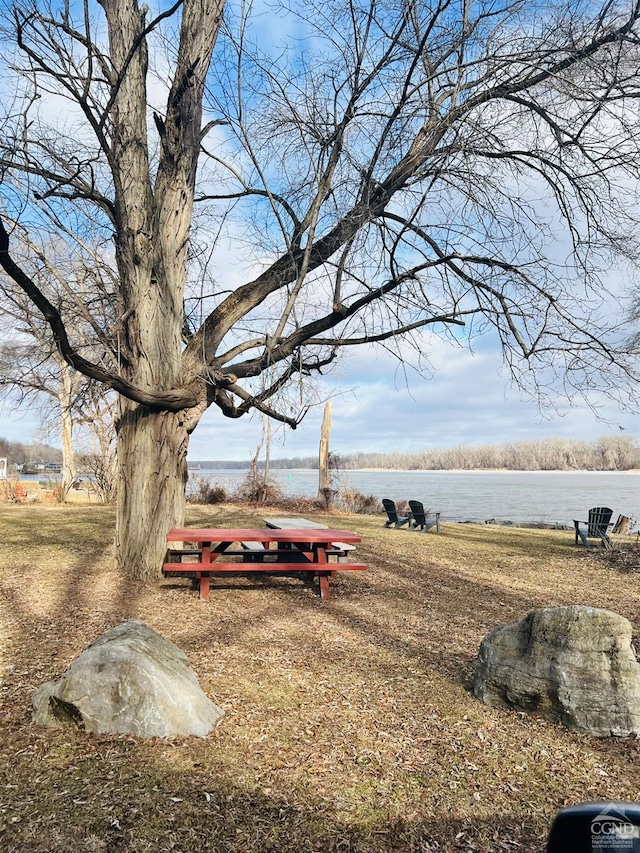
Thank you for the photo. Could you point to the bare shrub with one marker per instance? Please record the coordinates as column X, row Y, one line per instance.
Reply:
column 354, row 501
column 100, row 471
column 12, row 491
column 256, row 488
column 59, row 493
column 327, row 497
column 300, row 505
column 208, row 493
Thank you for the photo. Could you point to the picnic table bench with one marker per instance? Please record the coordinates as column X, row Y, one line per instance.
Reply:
column 300, row 552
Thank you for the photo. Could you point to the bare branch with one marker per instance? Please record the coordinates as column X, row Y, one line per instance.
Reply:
column 173, row 400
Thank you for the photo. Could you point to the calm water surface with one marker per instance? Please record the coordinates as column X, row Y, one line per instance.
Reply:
column 554, row 497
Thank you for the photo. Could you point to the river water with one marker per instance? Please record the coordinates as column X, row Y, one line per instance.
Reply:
column 550, row 497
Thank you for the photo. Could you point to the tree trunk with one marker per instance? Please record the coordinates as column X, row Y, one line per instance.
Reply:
column 152, row 218
column 66, row 428
column 267, row 455
column 152, row 477
column 324, row 477
column 68, row 477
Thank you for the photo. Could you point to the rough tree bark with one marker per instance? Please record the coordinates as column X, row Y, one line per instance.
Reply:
column 152, row 224
column 152, row 475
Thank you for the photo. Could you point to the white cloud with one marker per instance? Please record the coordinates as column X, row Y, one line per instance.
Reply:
column 469, row 402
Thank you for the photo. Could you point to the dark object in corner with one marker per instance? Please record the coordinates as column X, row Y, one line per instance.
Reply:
column 611, row 827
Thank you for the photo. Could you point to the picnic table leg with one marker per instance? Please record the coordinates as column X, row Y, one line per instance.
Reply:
column 204, row 587
column 323, row 578
column 206, row 560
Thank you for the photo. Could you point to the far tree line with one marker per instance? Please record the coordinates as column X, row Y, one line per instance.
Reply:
column 607, row 453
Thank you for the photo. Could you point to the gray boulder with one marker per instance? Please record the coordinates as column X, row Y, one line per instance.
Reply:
column 575, row 665
column 128, row 681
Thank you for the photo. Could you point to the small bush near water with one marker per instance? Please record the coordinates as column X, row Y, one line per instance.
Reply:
column 254, row 490
column 206, row 493
column 258, row 489
column 351, row 500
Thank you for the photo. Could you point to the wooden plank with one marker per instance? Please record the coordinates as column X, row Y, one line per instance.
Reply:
column 244, row 534
column 311, row 569
column 270, row 568
column 621, row 525
column 175, row 555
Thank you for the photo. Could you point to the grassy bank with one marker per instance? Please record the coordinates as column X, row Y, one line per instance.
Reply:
column 348, row 725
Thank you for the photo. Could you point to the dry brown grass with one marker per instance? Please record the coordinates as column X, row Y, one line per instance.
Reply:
column 348, row 724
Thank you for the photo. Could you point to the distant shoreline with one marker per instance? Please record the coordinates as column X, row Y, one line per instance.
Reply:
column 202, row 468
column 487, row 470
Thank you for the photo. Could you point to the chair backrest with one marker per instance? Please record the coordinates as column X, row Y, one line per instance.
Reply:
column 599, row 518
column 417, row 510
column 390, row 509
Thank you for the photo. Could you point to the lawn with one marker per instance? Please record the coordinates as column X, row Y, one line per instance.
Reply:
column 348, row 726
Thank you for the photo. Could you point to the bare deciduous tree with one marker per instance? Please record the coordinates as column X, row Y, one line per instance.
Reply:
column 397, row 167
column 49, row 384
column 34, row 372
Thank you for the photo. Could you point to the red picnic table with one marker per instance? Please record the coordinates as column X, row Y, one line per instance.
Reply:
column 303, row 551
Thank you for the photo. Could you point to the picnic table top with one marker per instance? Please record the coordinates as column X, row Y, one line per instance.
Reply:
column 306, row 524
column 262, row 534
column 288, row 523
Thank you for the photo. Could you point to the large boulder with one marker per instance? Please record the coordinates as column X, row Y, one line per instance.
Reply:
column 128, row 681
column 572, row 664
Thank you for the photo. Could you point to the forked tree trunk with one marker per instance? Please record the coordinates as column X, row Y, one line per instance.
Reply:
column 152, row 476
column 153, row 218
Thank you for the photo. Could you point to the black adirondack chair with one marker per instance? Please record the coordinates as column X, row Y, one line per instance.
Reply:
column 597, row 526
column 393, row 519
column 421, row 520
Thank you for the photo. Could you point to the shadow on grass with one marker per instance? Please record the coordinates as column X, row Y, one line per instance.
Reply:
column 162, row 810
column 56, row 577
